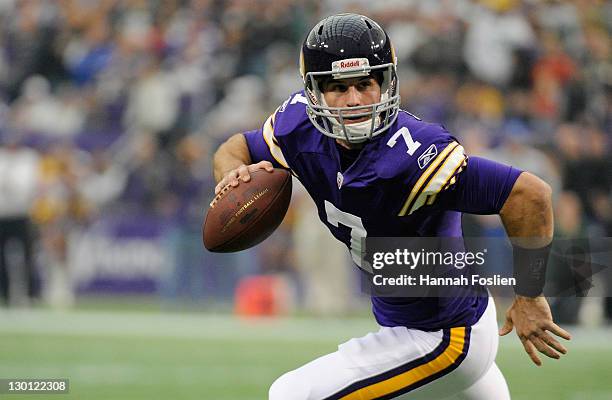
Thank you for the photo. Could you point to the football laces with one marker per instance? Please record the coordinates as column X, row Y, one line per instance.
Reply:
column 218, row 197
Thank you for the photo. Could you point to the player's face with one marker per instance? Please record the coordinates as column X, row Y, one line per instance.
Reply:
column 353, row 92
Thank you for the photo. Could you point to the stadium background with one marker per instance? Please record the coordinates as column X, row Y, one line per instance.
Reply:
column 110, row 111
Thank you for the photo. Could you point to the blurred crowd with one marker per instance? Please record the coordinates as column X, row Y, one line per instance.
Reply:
column 114, row 107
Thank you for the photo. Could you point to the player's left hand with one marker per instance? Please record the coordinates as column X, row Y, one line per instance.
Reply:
column 533, row 321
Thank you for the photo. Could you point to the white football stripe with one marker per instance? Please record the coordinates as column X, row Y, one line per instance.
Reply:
column 442, row 176
column 268, row 134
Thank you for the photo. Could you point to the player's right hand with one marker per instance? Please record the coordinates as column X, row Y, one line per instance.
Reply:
column 242, row 173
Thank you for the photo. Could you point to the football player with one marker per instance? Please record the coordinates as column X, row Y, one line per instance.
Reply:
column 375, row 170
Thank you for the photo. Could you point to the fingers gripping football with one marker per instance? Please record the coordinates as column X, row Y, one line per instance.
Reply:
column 241, row 217
column 242, row 173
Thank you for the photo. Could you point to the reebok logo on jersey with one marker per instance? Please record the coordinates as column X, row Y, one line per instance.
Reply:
column 339, row 179
column 427, row 156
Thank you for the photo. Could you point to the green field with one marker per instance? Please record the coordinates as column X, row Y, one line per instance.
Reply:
column 136, row 355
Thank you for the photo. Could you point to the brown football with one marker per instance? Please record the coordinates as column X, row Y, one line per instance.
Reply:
column 241, row 217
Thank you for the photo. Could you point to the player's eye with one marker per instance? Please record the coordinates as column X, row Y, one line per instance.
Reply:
column 338, row 87
column 366, row 83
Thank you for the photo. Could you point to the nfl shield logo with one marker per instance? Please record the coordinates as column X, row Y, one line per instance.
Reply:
column 339, row 180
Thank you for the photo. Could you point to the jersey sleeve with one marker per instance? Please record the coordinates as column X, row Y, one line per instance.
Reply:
column 263, row 145
column 435, row 170
column 481, row 188
column 440, row 174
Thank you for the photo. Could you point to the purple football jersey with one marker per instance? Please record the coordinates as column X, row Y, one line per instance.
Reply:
column 389, row 190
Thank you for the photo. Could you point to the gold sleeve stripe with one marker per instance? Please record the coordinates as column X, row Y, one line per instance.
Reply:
column 432, row 198
column 453, row 162
column 449, row 184
column 454, row 178
column 417, row 187
column 275, row 150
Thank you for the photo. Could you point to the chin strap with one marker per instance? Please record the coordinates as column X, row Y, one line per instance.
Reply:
column 356, row 132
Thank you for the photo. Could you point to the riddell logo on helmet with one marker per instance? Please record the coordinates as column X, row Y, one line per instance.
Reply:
column 350, row 63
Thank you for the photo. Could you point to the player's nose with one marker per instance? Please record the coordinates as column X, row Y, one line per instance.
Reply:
column 353, row 97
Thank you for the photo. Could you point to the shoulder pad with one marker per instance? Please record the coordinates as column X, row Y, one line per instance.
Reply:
column 410, row 144
column 422, row 158
column 290, row 115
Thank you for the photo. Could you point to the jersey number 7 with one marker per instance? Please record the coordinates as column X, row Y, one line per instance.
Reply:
column 338, row 217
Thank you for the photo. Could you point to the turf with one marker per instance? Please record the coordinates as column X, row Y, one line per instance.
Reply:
column 168, row 356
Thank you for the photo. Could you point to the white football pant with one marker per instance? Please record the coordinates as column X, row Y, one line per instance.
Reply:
column 401, row 363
